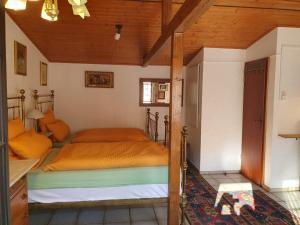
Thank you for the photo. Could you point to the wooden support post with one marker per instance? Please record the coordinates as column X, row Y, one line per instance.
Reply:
column 175, row 129
column 166, row 14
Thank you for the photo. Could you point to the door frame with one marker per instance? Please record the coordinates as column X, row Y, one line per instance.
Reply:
column 267, row 60
column 4, row 167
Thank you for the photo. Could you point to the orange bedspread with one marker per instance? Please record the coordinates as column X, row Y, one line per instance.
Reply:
column 84, row 156
column 109, row 135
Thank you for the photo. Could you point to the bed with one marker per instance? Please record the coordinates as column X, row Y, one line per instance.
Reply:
column 44, row 102
column 115, row 183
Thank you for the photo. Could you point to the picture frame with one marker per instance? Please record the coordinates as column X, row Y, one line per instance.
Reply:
column 20, row 58
column 163, row 87
column 43, row 74
column 97, row 79
column 161, row 95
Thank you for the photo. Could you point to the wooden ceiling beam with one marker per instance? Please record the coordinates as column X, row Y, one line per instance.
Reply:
column 187, row 15
column 293, row 5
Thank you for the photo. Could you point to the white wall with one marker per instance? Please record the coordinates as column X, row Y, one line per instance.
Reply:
column 283, row 105
column 84, row 107
column 221, row 98
column 17, row 82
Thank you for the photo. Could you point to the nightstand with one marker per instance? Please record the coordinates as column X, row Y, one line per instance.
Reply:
column 18, row 190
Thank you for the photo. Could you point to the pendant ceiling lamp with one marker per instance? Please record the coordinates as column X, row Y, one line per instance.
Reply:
column 79, row 8
column 77, row 2
column 16, row 4
column 50, row 10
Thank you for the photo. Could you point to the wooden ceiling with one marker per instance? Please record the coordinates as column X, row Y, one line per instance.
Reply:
column 74, row 40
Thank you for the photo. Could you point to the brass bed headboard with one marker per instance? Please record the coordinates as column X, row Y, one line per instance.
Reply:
column 16, row 105
column 43, row 102
column 152, row 124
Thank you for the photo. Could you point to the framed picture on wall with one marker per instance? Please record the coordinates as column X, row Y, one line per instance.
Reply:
column 161, row 95
column 94, row 79
column 20, row 58
column 43, row 74
column 163, row 87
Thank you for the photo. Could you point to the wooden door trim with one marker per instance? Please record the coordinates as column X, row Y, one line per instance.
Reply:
column 4, row 195
column 265, row 64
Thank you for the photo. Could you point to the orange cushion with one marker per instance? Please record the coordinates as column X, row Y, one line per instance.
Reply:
column 30, row 145
column 60, row 130
column 15, row 128
column 48, row 118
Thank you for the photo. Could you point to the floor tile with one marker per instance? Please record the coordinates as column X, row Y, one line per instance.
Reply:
column 142, row 214
column 212, row 181
column 116, row 215
column 206, row 176
column 293, row 204
column 90, row 216
column 161, row 213
column 145, row 223
column 225, row 180
column 162, row 222
column 235, row 175
column 221, row 176
column 64, row 216
column 127, row 223
column 40, row 217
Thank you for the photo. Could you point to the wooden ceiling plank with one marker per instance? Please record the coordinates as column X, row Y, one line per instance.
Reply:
column 166, row 14
column 293, row 5
column 189, row 13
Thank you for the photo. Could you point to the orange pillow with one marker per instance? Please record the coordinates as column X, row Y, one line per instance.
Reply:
column 30, row 145
column 15, row 128
column 60, row 130
column 48, row 118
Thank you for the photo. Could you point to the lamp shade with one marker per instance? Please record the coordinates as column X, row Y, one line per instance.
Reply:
column 50, row 10
column 16, row 4
column 81, row 11
column 35, row 114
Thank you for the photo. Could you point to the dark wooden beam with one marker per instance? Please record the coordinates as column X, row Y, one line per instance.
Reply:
column 293, row 5
column 187, row 15
column 166, row 14
column 175, row 128
column 4, row 180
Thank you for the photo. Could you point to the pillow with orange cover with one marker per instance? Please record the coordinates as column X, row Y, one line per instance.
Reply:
column 15, row 128
column 30, row 145
column 48, row 118
column 59, row 129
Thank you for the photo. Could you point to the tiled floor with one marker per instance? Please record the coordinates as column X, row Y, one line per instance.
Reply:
column 288, row 199
column 152, row 215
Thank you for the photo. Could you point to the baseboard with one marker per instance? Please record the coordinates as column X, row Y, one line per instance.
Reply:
column 220, row 172
column 192, row 166
column 267, row 188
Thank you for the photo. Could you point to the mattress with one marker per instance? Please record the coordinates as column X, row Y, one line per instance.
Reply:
column 146, row 191
column 116, row 177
